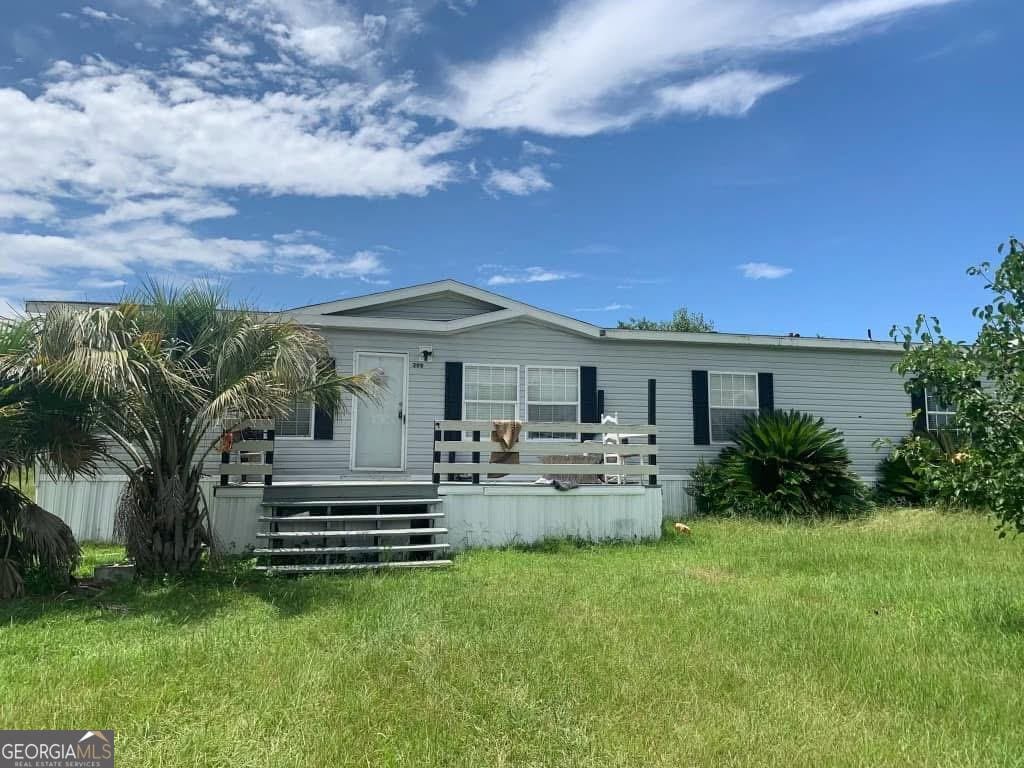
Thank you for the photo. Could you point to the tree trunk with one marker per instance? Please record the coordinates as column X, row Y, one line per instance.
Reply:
column 163, row 527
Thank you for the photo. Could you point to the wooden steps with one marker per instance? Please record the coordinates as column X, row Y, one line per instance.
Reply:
column 364, row 527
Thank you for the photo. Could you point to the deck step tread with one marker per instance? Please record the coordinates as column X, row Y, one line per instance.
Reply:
column 352, row 503
column 352, row 518
column 353, row 566
column 345, row 550
column 337, row 533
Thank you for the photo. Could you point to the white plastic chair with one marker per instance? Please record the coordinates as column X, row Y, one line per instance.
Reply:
column 612, row 438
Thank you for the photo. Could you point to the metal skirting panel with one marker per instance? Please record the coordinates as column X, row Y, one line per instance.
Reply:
column 495, row 516
column 676, row 502
column 477, row 516
column 89, row 506
column 235, row 514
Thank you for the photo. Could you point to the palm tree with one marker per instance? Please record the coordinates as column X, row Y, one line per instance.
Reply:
column 41, row 425
column 169, row 366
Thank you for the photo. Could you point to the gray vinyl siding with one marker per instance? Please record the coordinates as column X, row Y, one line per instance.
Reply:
column 211, row 465
column 854, row 391
column 443, row 306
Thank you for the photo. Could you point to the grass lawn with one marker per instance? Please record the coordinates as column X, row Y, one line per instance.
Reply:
column 896, row 640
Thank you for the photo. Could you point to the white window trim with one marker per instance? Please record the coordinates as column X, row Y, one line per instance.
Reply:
column 753, row 409
column 490, row 365
column 527, row 401
column 312, row 427
column 929, row 412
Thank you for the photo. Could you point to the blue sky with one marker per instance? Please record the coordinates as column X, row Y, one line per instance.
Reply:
column 818, row 166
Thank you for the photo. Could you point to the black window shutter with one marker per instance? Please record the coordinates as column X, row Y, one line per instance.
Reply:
column 917, row 403
column 701, row 415
column 323, row 420
column 766, row 392
column 589, row 412
column 453, row 396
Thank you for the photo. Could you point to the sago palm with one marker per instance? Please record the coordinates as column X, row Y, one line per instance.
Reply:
column 171, row 365
column 791, row 463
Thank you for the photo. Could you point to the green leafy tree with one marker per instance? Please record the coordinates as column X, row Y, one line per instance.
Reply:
column 683, row 321
column 990, row 417
column 169, row 367
column 44, row 426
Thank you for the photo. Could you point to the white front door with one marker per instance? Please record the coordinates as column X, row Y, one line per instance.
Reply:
column 378, row 429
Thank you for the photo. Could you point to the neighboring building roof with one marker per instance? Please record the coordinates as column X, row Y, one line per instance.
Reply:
column 496, row 308
column 45, row 305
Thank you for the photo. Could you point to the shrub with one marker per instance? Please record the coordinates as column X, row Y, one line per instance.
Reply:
column 932, row 468
column 898, row 483
column 704, row 487
column 784, row 464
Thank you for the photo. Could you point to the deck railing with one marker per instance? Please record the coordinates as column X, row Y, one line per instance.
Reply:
column 633, row 440
column 247, row 450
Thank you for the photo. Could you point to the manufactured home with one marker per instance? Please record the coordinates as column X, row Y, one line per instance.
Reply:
column 631, row 411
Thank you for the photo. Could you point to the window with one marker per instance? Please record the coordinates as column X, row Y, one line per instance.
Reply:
column 298, row 422
column 552, row 394
column 732, row 397
column 490, row 392
column 940, row 415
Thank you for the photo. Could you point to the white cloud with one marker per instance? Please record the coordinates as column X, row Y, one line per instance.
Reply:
column 759, row 270
column 525, row 181
column 298, row 235
column 98, row 15
column 532, row 149
column 527, row 275
column 324, row 33
column 99, row 129
column 603, row 64
column 311, row 260
column 13, row 206
column 111, row 254
column 231, row 48
column 105, row 169
column 461, row 7
column 729, row 94
column 179, row 208
column 152, row 154
column 145, row 245
column 613, row 307
column 115, row 163
column 100, row 284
